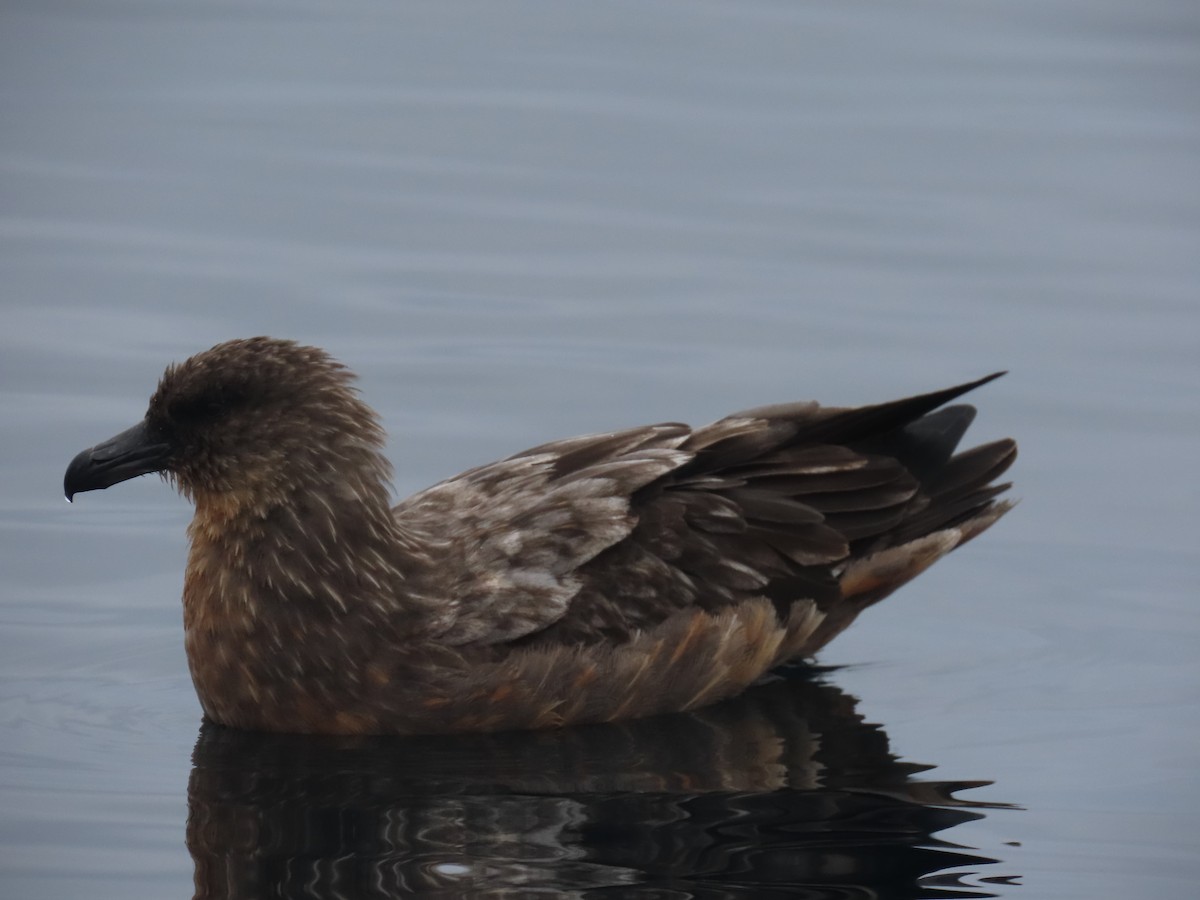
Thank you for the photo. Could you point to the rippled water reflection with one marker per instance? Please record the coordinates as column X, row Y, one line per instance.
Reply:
column 786, row 792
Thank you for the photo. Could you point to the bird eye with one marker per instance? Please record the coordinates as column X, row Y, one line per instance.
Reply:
column 199, row 408
column 194, row 409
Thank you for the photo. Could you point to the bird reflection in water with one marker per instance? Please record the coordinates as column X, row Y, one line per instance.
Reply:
column 782, row 792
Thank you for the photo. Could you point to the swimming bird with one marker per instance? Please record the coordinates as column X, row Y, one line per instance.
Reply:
column 611, row 576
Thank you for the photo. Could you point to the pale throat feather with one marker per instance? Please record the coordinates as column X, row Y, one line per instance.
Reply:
column 327, row 540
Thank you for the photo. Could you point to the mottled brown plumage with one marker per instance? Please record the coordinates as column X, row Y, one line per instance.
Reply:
column 603, row 577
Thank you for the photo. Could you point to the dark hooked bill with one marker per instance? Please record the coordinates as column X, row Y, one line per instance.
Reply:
column 133, row 452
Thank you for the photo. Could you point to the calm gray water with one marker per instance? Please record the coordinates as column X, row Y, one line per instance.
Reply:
column 525, row 220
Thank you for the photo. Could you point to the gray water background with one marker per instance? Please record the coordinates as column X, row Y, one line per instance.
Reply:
column 524, row 220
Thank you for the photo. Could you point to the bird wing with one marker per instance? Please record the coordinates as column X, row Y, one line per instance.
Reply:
column 595, row 538
column 505, row 542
